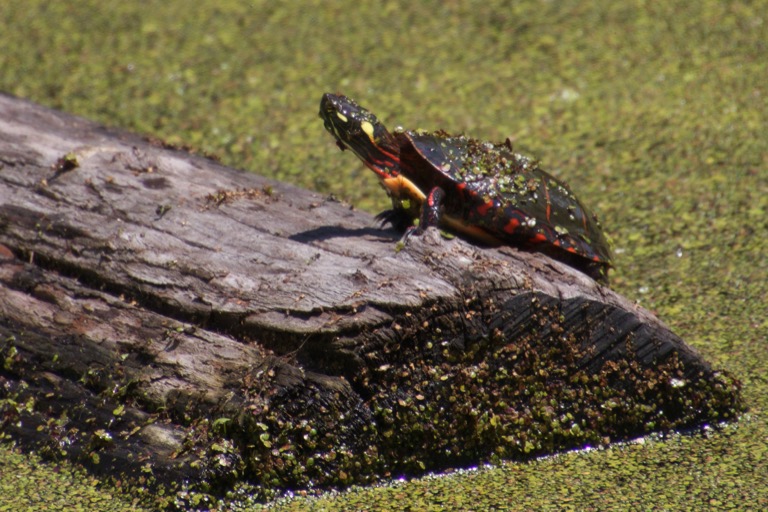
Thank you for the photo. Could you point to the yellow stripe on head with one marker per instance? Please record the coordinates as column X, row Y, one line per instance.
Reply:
column 368, row 129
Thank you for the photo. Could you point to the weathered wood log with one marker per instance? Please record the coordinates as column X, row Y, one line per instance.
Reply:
column 163, row 316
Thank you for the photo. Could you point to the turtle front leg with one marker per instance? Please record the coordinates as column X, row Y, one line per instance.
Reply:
column 431, row 211
column 433, row 215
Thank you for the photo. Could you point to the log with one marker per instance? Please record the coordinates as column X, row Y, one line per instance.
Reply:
column 167, row 319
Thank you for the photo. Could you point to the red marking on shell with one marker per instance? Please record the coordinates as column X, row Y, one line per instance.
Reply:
column 511, row 226
column 483, row 208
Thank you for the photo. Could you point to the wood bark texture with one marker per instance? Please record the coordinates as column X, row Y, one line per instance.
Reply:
column 168, row 319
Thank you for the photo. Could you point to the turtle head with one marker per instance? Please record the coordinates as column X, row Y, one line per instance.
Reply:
column 360, row 131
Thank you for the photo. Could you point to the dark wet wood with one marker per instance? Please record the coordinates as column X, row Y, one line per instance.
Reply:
column 143, row 289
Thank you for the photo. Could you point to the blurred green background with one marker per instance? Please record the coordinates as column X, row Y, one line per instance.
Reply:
column 654, row 112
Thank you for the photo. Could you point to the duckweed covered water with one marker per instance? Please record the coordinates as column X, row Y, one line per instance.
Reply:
column 654, row 113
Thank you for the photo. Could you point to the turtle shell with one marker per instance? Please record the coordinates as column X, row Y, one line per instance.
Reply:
column 506, row 195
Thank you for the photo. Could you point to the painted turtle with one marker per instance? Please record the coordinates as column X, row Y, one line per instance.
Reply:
column 481, row 191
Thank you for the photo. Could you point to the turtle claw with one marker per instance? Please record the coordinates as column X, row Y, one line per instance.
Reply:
column 411, row 231
column 397, row 218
